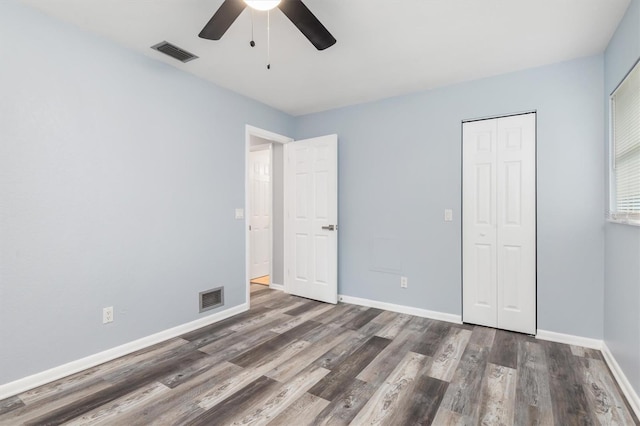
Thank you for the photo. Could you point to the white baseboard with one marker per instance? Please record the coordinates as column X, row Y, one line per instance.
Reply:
column 44, row 377
column 275, row 286
column 569, row 339
column 424, row 313
column 621, row 378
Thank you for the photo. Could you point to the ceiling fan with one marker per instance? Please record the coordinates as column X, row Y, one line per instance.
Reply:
column 295, row 10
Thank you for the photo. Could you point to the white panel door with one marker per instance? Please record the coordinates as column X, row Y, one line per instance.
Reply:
column 479, row 222
column 499, row 223
column 311, row 233
column 260, row 199
column 516, row 219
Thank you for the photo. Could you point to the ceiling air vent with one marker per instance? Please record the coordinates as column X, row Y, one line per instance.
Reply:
column 211, row 299
column 174, row 51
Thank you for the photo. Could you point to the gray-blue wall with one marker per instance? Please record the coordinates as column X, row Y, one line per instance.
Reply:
column 119, row 176
column 622, row 247
column 400, row 167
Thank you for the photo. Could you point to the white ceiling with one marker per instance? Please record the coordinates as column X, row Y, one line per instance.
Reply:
column 384, row 48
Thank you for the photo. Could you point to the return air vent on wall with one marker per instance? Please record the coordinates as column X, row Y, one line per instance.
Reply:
column 174, row 51
column 211, row 299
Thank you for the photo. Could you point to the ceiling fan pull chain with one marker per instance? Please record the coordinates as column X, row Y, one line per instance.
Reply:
column 268, row 39
column 252, row 43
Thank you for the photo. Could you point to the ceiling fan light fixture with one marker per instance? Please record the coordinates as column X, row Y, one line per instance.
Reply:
column 262, row 4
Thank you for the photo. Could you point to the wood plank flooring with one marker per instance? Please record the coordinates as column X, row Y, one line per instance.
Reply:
column 292, row 361
column 264, row 280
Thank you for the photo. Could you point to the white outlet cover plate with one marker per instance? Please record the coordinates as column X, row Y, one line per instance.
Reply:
column 239, row 214
column 107, row 315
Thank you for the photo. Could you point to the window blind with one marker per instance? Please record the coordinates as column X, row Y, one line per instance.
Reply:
column 625, row 109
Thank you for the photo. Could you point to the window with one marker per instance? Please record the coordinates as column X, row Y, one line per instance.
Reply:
column 625, row 149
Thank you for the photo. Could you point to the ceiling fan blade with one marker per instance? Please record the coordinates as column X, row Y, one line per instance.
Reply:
column 222, row 19
column 307, row 23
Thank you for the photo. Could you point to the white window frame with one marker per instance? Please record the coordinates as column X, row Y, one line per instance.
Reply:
column 632, row 216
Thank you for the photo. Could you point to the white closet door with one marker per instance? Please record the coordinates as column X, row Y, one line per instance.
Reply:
column 499, row 223
column 479, row 222
column 517, row 223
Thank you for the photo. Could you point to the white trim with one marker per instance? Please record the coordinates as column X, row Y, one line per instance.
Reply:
column 275, row 286
column 569, row 339
column 621, row 378
column 418, row 312
column 48, row 376
column 265, row 134
column 624, row 221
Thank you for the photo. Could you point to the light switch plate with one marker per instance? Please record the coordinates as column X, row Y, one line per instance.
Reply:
column 448, row 215
column 239, row 213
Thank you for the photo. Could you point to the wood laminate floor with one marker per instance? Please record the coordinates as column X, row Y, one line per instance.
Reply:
column 264, row 280
column 292, row 361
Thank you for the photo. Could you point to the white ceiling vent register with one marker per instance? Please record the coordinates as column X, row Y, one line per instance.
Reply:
column 211, row 299
column 174, row 51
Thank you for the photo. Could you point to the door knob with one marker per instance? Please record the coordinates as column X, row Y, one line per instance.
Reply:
column 330, row 227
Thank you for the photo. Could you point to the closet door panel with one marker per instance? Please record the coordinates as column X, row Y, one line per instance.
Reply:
column 516, row 223
column 479, row 223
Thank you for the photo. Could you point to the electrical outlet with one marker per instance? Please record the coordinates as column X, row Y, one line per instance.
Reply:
column 404, row 282
column 107, row 315
column 239, row 214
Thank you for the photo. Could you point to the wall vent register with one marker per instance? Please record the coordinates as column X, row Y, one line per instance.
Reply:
column 211, row 299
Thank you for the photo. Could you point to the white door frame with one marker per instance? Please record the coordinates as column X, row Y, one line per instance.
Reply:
column 275, row 138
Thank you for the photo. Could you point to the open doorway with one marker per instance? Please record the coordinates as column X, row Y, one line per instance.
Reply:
column 303, row 215
column 264, row 205
column 260, row 220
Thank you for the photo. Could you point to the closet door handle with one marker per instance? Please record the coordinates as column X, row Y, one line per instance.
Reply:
column 330, row 227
